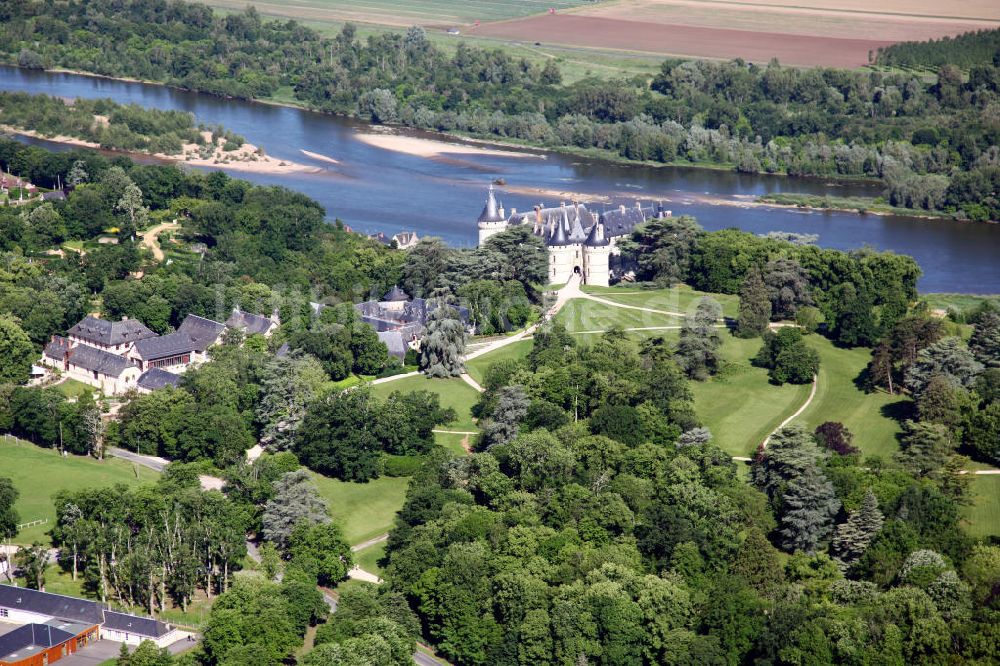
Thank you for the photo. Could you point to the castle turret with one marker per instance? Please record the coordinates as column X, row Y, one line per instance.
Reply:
column 560, row 253
column 596, row 256
column 491, row 220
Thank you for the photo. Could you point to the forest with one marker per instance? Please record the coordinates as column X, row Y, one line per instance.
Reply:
column 594, row 521
column 933, row 144
column 106, row 123
column 966, row 51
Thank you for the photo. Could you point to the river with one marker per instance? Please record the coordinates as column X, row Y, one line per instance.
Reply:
column 372, row 189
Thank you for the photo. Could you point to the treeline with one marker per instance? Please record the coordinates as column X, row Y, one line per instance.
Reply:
column 857, row 295
column 967, row 50
column 598, row 523
column 914, row 135
column 107, row 123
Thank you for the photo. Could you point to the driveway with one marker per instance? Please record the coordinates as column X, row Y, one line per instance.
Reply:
column 96, row 653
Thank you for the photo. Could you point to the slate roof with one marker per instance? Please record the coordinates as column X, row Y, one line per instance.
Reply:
column 110, row 333
column 194, row 334
column 18, row 644
column 203, row 331
column 597, row 237
column 248, row 322
column 157, row 378
column 491, row 211
column 85, row 612
column 54, row 195
column 396, row 294
column 396, row 342
column 144, row 626
column 87, row 357
column 53, row 605
column 558, row 238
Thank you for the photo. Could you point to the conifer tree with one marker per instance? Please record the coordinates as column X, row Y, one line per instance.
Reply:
column 985, row 340
column 503, row 425
column 443, row 345
column 809, row 507
column 855, row 320
column 854, row 535
column 755, row 305
column 697, row 351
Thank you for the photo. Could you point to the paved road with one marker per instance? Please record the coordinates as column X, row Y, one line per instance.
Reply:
column 154, row 463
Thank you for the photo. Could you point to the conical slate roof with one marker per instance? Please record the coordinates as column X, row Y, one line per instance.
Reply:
column 396, row 294
column 597, row 237
column 577, row 234
column 491, row 211
column 558, row 238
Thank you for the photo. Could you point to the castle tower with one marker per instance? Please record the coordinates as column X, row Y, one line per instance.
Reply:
column 596, row 254
column 491, row 220
column 561, row 262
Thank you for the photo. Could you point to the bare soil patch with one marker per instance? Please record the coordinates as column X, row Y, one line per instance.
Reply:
column 886, row 21
column 663, row 39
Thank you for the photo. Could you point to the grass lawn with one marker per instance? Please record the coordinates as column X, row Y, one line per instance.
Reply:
column 739, row 405
column 477, row 367
column 870, row 416
column 39, row 474
column 363, row 510
column 961, row 303
column 72, row 388
column 452, row 442
column 454, row 393
column 368, row 558
column 681, row 298
column 984, row 514
column 582, row 315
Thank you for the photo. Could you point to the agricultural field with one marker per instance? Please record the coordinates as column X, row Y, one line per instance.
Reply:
column 363, row 510
column 39, row 474
column 838, row 33
column 403, row 12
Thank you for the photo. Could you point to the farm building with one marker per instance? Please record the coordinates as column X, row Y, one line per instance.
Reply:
column 40, row 644
column 113, row 336
column 253, row 324
column 109, row 372
column 55, row 625
column 184, row 347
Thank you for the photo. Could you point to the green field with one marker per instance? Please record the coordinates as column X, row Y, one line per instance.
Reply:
column 454, row 393
column 363, row 510
column 452, row 442
column 681, row 298
column 739, row 405
column 984, row 514
column 404, row 12
column 960, row 303
column 41, row 473
column 477, row 367
column 868, row 415
column 368, row 558
column 71, row 388
column 580, row 315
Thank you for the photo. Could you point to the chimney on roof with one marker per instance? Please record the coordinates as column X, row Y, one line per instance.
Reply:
column 621, row 207
column 638, row 205
column 513, row 211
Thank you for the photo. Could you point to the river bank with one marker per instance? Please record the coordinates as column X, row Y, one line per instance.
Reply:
column 248, row 158
column 859, row 205
column 375, row 190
